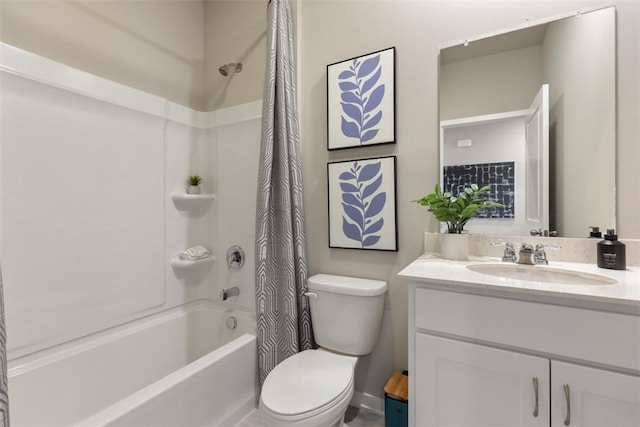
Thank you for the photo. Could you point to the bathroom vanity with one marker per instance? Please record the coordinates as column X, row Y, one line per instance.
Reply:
column 522, row 346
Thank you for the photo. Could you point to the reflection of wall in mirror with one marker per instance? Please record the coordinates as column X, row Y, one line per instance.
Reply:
column 582, row 120
column 574, row 55
column 493, row 141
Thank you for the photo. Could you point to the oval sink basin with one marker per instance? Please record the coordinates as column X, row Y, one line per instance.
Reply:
column 537, row 273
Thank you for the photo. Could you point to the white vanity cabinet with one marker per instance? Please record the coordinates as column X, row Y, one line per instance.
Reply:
column 597, row 397
column 464, row 384
column 481, row 357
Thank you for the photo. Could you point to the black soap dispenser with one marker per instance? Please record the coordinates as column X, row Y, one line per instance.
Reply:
column 595, row 232
column 611, row 252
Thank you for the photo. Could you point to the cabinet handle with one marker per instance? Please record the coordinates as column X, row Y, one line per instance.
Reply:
column 535, row 391
column 567, row 396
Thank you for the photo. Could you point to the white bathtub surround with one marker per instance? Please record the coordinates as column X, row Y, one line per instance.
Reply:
column 66, row 124
column 281, row 259
column 170, row 355
column 573, row 249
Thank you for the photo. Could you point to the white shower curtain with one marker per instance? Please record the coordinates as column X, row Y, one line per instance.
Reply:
column 4, row 393
column 284, row 322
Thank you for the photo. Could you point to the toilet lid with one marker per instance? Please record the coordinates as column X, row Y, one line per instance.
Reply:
column 306, row 382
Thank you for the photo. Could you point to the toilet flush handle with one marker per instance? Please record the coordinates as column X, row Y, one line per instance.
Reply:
column 311, row 295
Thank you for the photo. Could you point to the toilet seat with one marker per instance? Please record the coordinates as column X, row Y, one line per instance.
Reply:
column 307, row 384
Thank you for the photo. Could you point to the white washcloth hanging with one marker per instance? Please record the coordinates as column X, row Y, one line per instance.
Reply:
column 196, row 252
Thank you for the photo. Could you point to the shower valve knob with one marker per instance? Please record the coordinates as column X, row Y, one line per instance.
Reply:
column 235, row 257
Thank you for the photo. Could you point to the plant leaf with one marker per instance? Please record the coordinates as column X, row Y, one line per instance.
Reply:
column 352, row 111
column 346, row 176
column 370, row 241
column 369, row 171
column 375, row 99
column 346, row 74
column 371, row 188
column 368, row 66
column 372, row 121
column 368, row 135
column 351, row 231
column 348, row 188
column 351, row 98
column 376, row 226
column 376, row 205
column 354, row 214
column 372, row 81
column 347, row 86
column 352, row 200
column 350, row 129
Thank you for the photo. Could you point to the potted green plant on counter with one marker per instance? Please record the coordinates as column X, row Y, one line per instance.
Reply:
column 194, row 182
column 455, row 211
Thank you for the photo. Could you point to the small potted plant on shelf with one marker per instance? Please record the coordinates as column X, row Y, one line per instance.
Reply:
column 455, row 211
column 194, row 182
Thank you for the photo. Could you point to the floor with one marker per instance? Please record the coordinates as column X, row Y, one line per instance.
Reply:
column 354, row 418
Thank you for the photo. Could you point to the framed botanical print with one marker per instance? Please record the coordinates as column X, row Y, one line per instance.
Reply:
column 361, row 101
column 362, row 204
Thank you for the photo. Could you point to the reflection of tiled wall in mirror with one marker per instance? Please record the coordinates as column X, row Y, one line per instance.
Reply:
column 500, row 177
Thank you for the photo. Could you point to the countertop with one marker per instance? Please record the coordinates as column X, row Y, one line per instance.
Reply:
column 625, row 293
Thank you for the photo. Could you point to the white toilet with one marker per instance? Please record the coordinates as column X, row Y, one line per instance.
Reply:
column 313, row 388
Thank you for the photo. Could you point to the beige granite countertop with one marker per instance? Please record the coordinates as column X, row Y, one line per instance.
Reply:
column 625, row 292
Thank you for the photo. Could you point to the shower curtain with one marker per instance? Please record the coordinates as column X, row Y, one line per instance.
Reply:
column 284, row 322
column 4, row 393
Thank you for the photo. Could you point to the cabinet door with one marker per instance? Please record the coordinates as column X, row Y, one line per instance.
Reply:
column 596, row 397
column 463, row 384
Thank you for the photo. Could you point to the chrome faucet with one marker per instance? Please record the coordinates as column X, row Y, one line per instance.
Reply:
column 230, row 292
column 525, row 256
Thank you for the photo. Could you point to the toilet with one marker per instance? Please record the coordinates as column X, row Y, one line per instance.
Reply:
column 313, row 388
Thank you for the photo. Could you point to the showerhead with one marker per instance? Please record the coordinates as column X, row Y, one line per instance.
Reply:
column 226, row 68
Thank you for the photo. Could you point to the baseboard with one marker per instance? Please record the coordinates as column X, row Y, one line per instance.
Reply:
column 368, row 402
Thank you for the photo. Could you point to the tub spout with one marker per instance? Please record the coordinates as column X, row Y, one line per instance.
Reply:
column 230, row 292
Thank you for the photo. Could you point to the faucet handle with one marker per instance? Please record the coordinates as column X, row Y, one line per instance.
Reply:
column 509, row 254
column 543, row 246
column 540, row 256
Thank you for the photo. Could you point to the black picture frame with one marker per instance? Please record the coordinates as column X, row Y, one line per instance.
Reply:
column 362, row 204
column 361, row 101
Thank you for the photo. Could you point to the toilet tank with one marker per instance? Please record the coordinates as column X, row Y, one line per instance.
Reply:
column 346, row 312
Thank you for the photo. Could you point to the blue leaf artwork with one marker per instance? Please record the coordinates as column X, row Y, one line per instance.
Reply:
column 361, row 94
column 362, row 203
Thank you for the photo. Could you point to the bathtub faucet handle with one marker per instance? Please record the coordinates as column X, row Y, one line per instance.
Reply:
column 235, row 257
column 229, row 292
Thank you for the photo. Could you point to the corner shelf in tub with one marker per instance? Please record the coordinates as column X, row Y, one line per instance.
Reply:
column 185, row 263
column 184, row 201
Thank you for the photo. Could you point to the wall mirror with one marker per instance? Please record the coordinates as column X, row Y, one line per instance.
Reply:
column 531, row 112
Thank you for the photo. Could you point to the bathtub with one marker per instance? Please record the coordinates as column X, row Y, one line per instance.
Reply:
column 181, row 367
